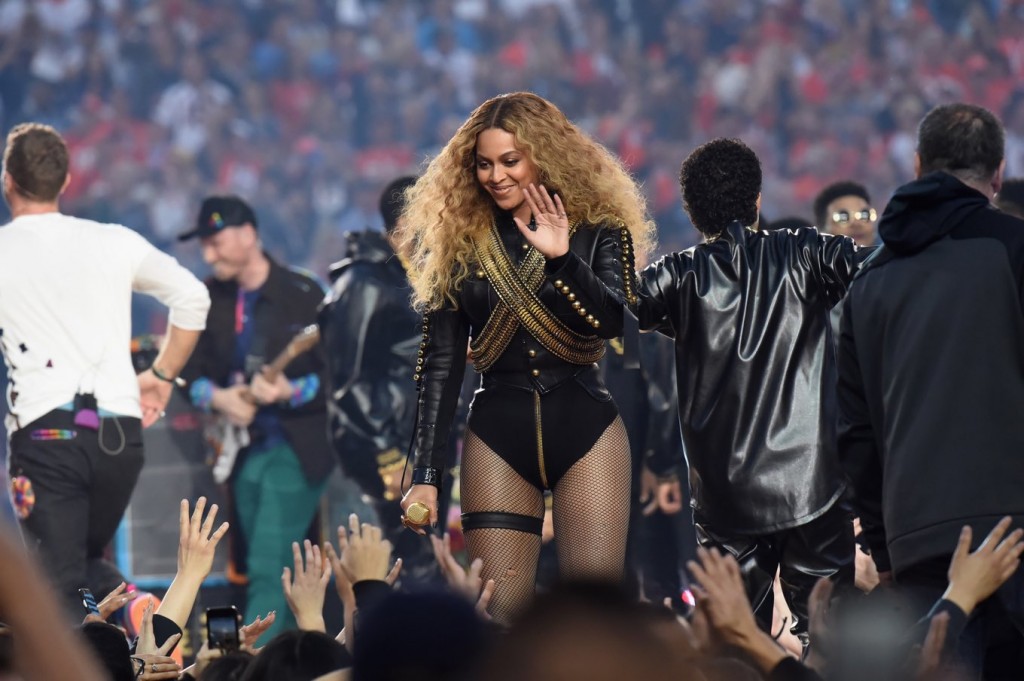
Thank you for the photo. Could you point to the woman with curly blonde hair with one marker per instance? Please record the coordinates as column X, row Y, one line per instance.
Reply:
column 521, row 234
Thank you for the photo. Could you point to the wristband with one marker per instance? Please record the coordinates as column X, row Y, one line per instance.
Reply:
column 427, row 476
column 177, row 380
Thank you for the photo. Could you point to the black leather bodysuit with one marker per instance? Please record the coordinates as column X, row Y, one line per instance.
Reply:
column 539, row 412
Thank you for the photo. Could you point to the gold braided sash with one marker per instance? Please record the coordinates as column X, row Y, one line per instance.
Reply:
column 520, row 306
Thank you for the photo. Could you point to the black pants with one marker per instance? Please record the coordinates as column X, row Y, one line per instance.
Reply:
column 823, row 547
column 81, row 493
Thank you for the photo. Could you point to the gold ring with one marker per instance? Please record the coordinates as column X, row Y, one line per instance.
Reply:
column 417, row 514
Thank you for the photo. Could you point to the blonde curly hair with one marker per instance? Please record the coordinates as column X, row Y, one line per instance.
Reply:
column 447, row 209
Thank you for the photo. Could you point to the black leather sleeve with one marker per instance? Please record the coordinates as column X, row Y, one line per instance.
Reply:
column 835, row 261
column 604, row 289
column 439, row 373
column 656, row 297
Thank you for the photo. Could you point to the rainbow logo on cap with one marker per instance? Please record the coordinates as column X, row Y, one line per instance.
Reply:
column 216, row 221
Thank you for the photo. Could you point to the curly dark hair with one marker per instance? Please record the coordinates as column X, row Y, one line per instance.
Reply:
column 720, row 181
column 833, row 192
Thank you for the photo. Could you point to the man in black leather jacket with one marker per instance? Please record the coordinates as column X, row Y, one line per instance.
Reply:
column 756, row 377
column 372, row 335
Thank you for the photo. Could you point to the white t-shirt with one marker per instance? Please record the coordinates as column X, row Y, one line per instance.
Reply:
column 65, row 310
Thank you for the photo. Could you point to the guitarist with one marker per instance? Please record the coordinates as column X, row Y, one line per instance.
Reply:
column 257, row 307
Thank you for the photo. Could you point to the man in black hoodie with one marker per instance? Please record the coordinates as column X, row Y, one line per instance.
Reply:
column 931, row 364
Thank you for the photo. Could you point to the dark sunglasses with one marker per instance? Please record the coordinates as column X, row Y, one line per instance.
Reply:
column 842, row 217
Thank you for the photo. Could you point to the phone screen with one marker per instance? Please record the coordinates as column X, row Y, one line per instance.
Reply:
column 89, row 602
column 222, row 628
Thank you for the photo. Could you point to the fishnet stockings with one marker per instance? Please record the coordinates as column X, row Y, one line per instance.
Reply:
column 591, row 517
column 510, row 557
column 591, row 510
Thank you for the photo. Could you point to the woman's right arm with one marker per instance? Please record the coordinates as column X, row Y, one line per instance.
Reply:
column 441, row 366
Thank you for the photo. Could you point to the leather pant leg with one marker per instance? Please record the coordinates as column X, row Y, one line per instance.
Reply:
column 823, row 547
column 758, row 559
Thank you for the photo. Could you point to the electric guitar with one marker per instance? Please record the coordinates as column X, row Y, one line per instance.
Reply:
column 224, row 438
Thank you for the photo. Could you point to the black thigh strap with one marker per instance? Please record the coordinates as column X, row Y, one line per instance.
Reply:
column 502, row 521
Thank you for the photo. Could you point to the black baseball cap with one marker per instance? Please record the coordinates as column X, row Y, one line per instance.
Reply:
column 220, row 212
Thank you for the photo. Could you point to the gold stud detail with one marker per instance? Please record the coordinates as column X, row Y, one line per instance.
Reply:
column 558, row 283
column 416, row 377
column 532, row 353
column 572, row 296
column 597, row 323
column 479, row 274
column 577, row 305
column 582, row 312
column 535, row 372
column 525, row 246
column 565, row 290
column 590, row 318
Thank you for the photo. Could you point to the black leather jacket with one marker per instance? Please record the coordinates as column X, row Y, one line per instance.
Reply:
column 370, row 333
column 287, row 303
column 592, row 271
column 756, row 371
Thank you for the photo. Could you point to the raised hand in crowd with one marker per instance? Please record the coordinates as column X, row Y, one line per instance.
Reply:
column 467, row 583
column 236, row 404
column 197, row 543
column 155, row 657
column 930, row 660
column 305, row 595
column 364, row 556
column 722, row 601
column 111, row 603
column 973, row 577
column 250, row 633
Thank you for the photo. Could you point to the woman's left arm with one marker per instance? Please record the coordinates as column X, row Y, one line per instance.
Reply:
column 599, row 293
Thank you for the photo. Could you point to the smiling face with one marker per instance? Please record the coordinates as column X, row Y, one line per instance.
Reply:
column 505, row 171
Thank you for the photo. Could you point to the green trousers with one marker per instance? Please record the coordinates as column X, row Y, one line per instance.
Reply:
column 275, row 505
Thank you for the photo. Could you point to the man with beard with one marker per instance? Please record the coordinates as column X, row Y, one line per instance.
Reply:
column 257, row 307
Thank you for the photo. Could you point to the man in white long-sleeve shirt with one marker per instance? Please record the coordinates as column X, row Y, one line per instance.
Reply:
column 76, row 406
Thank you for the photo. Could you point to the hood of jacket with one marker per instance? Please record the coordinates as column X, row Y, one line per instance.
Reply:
column 926, row 210
column 367, row 246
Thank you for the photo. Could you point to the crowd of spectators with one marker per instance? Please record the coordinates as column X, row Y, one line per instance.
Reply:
column 307, row 107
